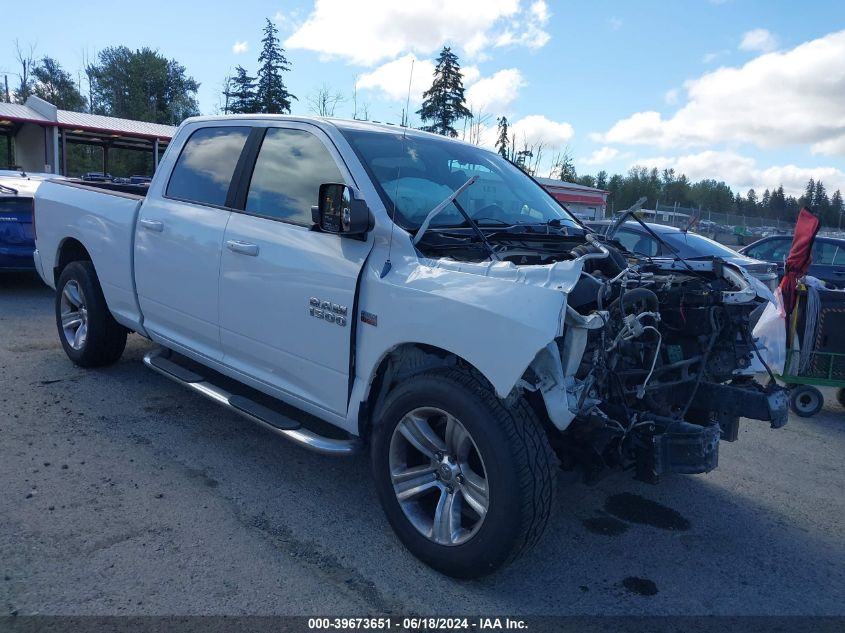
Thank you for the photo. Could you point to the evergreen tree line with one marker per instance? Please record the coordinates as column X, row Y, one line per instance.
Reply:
column 669, row 188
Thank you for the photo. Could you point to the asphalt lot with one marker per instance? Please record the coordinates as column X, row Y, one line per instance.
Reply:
column 122, row 493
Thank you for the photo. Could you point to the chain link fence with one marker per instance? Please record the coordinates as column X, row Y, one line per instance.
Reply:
column 728, row 228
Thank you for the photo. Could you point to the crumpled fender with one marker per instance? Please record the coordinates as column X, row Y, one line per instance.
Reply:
column 495, row 315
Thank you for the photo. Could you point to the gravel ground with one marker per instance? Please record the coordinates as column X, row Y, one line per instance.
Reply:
column 122, row 493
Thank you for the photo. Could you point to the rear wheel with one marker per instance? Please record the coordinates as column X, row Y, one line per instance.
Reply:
column 88, row 332
column 840, row 396
column 466, row 482
column 806, row 400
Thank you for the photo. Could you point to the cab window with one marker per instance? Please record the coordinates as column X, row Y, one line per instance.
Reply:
column 291, row 166
column 205, row 167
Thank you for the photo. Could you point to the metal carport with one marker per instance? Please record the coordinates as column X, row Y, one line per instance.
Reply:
column 42, row 133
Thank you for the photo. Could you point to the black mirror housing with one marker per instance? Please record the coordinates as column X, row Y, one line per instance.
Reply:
column 341, row 210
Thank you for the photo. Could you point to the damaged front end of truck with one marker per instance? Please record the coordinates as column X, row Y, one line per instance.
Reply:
column 654, row 362
column 655, row 366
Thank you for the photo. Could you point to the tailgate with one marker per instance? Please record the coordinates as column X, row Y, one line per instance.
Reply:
column 16, row 221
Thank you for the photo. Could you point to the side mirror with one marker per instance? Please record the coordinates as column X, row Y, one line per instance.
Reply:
column 340, row 210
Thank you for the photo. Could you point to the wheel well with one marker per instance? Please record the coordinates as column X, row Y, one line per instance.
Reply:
column 70, row 251
column 409, row 359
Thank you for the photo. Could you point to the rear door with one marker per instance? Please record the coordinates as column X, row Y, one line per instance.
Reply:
column 16, row 238
column 179, row 240
column 287, row 292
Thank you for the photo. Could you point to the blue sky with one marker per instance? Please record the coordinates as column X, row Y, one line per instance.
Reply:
column 751, row 92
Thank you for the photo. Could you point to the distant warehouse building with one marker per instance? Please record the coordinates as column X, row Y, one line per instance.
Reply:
column 588, row 203
column 35, row 136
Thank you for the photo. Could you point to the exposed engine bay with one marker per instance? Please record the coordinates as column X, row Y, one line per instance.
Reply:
column 656, row 361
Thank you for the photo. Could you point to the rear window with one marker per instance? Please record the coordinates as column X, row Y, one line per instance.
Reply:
column 15, row 205
column 205, row 167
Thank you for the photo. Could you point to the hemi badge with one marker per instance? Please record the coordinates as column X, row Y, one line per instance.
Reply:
column 369, row 318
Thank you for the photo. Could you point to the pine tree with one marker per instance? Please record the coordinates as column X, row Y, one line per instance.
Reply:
column 751, row 197
column 777, row 203
column 837, row 208
column 443, row 103
column 242, row 96
column 820, row 199
column 601, row 179
column 502, row 142
column 808, row 199
column 272, row 97
column 765, row 202
column 836, row 204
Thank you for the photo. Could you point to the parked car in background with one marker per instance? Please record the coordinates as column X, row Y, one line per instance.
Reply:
column 97, row 176
column 17, row 235
column 828, row 257
column 686, row 244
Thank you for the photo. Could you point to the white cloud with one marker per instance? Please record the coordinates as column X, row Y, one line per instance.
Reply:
column 287, row 21
column 712, row 56
column 742, row 172
column 391, row 79
column 776, row 99
column 527, row 31
column 671, row 96
column 368, row 32
column 240, row 47
column 601, row 156
column 496, row 92
column 759, row 40
column 536, row 128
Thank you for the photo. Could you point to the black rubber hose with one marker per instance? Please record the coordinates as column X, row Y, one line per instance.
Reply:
column 636, row 295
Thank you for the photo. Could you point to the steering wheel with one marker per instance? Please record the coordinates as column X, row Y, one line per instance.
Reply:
column 491, row 212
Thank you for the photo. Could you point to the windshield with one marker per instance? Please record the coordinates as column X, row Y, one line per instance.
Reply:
column 416, row 174
column 695, row 245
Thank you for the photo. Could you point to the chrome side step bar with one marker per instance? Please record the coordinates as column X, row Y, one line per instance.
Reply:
column 271, row 420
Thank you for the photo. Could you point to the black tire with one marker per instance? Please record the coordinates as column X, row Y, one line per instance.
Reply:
column 105, row 338
column 805, row 400
column 840, row 396
column 519, row 464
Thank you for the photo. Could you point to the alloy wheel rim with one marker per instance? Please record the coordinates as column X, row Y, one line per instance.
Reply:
column 438, row 476
column 74, row 315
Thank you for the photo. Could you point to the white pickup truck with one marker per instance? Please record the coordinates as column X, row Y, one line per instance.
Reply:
column 425, row 298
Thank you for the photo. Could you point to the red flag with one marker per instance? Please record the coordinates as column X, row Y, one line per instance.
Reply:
column 799, row 258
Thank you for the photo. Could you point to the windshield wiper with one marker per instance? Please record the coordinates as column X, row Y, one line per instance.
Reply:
column 439, row 208
column 452, row 199
column 631, row 212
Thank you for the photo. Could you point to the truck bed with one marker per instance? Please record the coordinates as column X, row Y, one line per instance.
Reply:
column 101, row 217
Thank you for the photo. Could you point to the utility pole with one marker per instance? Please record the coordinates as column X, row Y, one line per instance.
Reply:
column 6, row 79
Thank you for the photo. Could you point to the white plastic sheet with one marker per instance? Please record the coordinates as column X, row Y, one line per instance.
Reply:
column 770, row 334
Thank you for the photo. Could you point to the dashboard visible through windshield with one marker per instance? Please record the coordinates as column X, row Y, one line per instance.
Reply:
column 416, row 174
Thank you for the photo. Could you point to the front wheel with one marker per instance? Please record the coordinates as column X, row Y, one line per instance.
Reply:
column 88, row 332
column 467, row 482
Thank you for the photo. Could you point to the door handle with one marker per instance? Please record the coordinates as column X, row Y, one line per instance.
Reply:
column 152, row 225
column 244, row 248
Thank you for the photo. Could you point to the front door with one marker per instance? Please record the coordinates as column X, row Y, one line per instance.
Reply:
column 287, row 293
column 179, row 240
